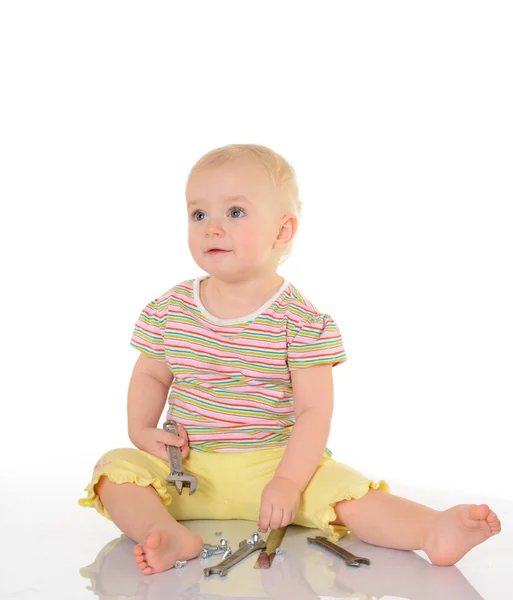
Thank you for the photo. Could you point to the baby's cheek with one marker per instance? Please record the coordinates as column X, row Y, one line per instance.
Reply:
column 247, row 236
column 251, row 242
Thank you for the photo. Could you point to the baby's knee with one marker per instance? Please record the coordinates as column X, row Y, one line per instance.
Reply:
column 130, row 465
column 111, row 462
column 100, row 485
column 117, row 455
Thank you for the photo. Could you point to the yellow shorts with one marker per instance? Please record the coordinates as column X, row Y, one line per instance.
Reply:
column 231, row 485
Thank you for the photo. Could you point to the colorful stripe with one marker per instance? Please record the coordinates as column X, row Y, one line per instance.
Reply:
column 232, row 388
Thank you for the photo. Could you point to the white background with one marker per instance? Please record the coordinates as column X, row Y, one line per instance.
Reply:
column 397, row 118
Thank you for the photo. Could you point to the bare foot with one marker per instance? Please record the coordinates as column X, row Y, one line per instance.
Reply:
column 457, row 530
column 164, row 546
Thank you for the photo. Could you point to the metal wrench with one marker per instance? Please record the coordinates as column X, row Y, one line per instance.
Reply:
column 350, row 559
column 178, row 477
column 244, row 550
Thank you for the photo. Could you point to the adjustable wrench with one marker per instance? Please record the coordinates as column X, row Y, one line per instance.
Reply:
column 178, row 477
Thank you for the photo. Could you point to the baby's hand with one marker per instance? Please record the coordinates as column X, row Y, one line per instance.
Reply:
column 279, row 504
column 154, row 440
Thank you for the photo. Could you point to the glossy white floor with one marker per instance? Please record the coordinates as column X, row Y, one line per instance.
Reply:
column 54, row 549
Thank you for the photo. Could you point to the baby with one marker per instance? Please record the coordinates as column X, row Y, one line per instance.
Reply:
column 245, row 362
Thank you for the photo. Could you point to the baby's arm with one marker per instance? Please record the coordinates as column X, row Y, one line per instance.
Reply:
column 147, row 394
column 312, row 388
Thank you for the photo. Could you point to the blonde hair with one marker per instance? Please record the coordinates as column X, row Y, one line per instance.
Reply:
column 281, row 172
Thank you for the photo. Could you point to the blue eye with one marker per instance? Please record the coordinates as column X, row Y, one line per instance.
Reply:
column 236, row 212
column 196, row 214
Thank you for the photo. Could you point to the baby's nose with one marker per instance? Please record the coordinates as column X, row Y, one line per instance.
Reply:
column 215, row 227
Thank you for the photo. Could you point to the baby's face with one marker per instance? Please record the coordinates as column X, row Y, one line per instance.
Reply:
column 234, row 216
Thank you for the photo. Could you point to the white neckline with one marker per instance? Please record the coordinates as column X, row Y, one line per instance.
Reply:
column 243, row 319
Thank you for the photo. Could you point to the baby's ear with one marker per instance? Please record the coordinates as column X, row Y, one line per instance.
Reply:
column 286, row 231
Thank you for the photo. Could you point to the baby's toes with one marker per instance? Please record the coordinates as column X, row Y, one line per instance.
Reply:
column 494, row 522
column 142, row 564
column 479, row 512
column 140, row 557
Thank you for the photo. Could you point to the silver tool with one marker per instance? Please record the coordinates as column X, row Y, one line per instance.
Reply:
column 178, row 477
column 209, row 547
column 208, row 550
column 244, row 550
column 350, row 559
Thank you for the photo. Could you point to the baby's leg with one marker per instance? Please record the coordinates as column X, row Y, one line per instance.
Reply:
column 140, row 513
column 383, row 519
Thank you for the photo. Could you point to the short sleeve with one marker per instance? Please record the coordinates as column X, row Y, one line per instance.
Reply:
column 317, row 342
column 148, row 334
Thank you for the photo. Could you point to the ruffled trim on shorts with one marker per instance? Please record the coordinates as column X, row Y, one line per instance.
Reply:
column 335, row 532
column 92, row 499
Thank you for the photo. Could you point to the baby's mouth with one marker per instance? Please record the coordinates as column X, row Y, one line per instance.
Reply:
column 217, row 251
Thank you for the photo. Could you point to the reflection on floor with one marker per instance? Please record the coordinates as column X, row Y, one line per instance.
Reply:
column 53, row 548
column 302, row 572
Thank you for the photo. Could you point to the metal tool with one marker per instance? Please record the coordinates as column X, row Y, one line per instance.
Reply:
column 244, row 550
column 208, row 552
column 267, row 555
column 178, row 477
column 350, row 559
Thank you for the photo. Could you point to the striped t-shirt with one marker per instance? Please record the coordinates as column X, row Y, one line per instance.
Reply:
column 232, row 388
